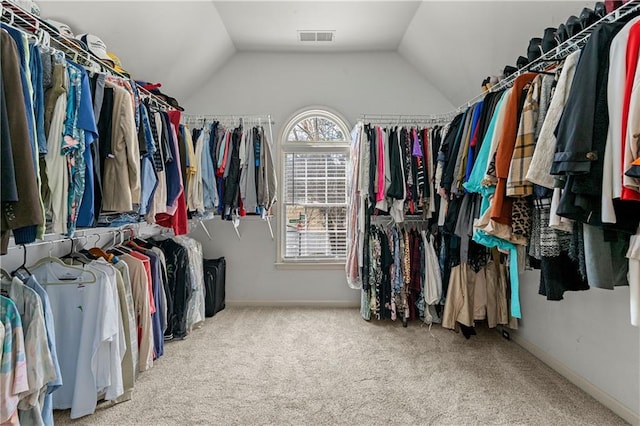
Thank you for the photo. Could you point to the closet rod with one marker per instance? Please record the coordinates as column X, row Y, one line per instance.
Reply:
column 407, row 218
column 388, row 220
column 233, row 119
column 58, row 240
column 556, row 54
column 260, row 118
column 133, row 228
column 39, row 26
column 405, row 119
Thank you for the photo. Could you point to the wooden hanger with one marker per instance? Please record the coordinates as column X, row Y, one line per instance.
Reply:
column 99, row 253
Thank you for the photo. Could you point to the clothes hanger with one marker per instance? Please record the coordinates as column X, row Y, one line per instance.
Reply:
column 134, row 245
column 120, row 248
column 75, row 279
column 98, row 236
column 140, row 241
column 68, row 255
column 98, row 252
column 130, row 243
column 75, row 255
column 5, row 274
column 12, row 15
column 24, row 262
column 87, row 254
column 81, row 256
column 106, row 253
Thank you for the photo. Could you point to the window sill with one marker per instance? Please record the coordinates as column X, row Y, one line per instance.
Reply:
column 310, row 265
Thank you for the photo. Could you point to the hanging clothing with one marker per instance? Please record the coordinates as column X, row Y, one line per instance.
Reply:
column 122, row 165
column 127, row 311
column 501, row 205
column 580, row 148
column 57, row 178
column 40, row 366
column 79, row 337
column 141, row 298
column 180, row 286
column 54, row 384
column 23, row 215
column 542, row 158
column 13, row 376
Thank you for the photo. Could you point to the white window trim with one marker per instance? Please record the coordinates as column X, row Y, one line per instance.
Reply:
column 285, row 147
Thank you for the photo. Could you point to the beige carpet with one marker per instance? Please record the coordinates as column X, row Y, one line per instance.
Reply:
column 272, row 366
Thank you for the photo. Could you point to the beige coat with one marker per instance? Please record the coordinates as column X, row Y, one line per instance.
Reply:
column 542, row 159
column 121, row 174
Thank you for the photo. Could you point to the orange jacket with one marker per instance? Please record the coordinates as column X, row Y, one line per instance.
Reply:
column 501, row 204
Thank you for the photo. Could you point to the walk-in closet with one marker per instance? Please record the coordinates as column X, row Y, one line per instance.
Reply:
column 320, row 212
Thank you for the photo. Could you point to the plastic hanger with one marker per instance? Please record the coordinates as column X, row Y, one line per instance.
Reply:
column 75, row 255
column 121, row 248
column 5, row 274
column 134, row 245
column 73, row 280
column 24, row 262
column 68, row 255
column 140, row 241
column 98, row 236
column 45, row 42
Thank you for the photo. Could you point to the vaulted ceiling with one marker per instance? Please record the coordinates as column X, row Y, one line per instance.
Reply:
column 453, row 44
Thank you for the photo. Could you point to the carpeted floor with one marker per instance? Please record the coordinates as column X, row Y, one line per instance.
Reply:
column 277, row 366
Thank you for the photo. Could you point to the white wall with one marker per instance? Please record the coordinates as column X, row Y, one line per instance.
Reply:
column 456, row 44
column 588, row 333
column 150, row 41
column 280, row 84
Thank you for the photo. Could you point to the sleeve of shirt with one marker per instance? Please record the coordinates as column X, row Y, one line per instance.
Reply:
column 13, row 368
column 38, row 356
column 574, row 133
column 517, row 185
column 86, row 117
column 130, row 134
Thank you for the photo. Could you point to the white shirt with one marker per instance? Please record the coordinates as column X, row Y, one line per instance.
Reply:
column 86, row 321
column 612, row 176
column 111, row 383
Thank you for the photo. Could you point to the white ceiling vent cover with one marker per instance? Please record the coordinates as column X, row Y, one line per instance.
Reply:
column 316, row 36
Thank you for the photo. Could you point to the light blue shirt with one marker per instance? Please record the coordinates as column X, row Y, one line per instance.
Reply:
column 47, row 407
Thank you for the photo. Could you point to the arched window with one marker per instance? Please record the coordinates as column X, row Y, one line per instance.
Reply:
column 315, row 157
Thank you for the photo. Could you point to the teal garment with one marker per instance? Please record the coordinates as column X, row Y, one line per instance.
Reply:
column 474, row 184
column 491, row 241
column 73, row 146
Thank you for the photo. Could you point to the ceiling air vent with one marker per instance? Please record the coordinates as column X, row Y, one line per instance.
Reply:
column 324, row 36
column 316, row 36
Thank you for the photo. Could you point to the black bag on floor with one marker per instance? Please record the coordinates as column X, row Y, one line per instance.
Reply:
column 214, row 282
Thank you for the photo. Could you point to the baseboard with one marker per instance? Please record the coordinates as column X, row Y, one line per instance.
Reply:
column 295, row 303
column 593, row 390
